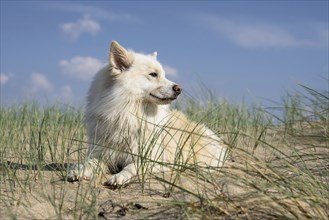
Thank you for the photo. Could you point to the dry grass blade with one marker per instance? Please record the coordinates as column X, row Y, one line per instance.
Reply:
column 278, row 165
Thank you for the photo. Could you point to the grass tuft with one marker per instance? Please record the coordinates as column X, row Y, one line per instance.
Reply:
column 277, row 167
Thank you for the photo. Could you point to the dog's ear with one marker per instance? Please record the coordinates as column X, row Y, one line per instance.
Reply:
column 120, row 58
column 154, row 55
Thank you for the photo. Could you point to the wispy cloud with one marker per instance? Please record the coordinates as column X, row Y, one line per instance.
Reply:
column 171, row 71
column 100, row 13
column 73, row 30
column 263, row 35
column 95, row 12
column 41, row 88
column 82, row 68
column 93, row 18
column 40, row 83
column 4, row 78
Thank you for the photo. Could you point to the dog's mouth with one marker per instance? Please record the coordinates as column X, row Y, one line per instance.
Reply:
column 164, row 99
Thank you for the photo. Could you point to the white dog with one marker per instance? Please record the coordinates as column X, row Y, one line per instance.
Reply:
column 128, row 118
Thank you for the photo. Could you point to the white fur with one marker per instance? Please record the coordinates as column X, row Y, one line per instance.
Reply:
column 126, row 108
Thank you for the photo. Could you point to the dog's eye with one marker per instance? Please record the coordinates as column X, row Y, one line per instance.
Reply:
column 153, row 74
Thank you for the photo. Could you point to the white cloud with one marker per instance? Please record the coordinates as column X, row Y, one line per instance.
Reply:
column 41, row 89
column 73, row 30
column 95, row 12
column 81, row 67
column 260, row 35
column 171, row 71
column 4, row 78
column 253, row 37
column 40, row 83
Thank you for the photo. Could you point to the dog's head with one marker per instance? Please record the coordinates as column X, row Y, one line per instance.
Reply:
column 142, row 76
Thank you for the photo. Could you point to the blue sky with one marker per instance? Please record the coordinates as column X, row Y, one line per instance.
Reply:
column 251, row 50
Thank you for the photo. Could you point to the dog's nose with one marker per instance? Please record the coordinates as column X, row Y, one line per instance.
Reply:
column 177, row 89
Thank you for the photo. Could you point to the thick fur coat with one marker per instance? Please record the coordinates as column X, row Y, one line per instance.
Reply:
column 128, row 117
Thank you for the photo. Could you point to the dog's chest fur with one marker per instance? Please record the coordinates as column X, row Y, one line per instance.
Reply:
column 120, row 123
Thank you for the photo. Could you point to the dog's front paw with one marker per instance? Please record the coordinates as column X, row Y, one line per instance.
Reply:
column 117, row 180
column 123, row 177
column 78, row 172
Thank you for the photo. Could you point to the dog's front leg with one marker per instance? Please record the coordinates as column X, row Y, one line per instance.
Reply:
column 123, row 177
column 85, row 171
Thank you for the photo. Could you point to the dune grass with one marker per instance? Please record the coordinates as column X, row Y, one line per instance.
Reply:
column 277, row 167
